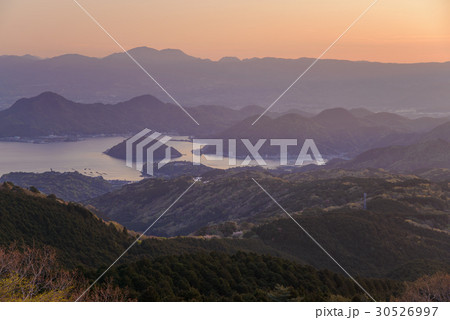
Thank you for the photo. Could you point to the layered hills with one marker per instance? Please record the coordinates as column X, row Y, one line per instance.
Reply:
column 418, row 157
column 52, row 114
column 421, row 87
column 70, row 186
column 204, row 270
column 405, row 224
column 336, row 132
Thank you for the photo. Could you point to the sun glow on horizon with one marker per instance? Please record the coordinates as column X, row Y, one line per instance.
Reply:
column 392, row 31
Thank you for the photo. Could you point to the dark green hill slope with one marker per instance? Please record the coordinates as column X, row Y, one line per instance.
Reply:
column 407, row 217
column 82, row 239
column 377, row 242
column 78, row 235
column 208, row 270
column 240, row 277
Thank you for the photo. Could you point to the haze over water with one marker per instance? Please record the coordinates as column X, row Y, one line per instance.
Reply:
column 86, row 157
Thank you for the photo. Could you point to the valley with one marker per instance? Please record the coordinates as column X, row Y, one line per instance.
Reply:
column 217, row 231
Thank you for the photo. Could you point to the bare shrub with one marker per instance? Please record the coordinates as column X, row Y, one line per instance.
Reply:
column 435, row 288
column 34, row 274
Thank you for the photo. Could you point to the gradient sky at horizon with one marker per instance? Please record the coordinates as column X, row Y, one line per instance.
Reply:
column 392, row 31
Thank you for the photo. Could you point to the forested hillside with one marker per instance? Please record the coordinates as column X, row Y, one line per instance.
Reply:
column 232, row 195
column 79, row 237
column 379, row 242
column 242, row 277
column 178, row 269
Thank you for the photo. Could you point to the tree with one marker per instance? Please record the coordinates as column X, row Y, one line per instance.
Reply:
column 435, row 288
column 280, row 294
column 34, row 274
column 34, row 189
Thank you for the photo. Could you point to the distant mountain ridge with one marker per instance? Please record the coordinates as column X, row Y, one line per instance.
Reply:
column 337, row 132
column 52, row 114
column 421, row 87
column 427, row 155
column 440, row 132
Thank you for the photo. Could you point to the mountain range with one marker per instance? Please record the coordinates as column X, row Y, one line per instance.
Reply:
column 409, row 88
column 403, row 234
column 380, row 205
column 421, row 156
column 405, row 226
column 176, row 269
column 337, row 132
column 51, row 114
column 231, row 195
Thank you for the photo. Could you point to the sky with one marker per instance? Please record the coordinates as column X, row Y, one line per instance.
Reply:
column 392, row 31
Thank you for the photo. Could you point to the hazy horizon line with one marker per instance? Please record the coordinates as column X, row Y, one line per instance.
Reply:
column 409, row 114
column 210, row 59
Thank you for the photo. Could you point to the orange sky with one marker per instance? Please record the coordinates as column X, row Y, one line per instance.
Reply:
column 392, row 31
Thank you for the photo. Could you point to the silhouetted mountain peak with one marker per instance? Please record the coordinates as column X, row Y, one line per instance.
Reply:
column 143, row 49
column 335, row 115
column 52, row 114
column 248, row 81
column 143, row 53
column 49, row 95
column 67, row 59
column 144, row 99
column 229, row 59
column 174, row 52
column 46, row 101
column 31, row 57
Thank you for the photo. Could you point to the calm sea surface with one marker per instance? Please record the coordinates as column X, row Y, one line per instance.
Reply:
column 85, row 156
